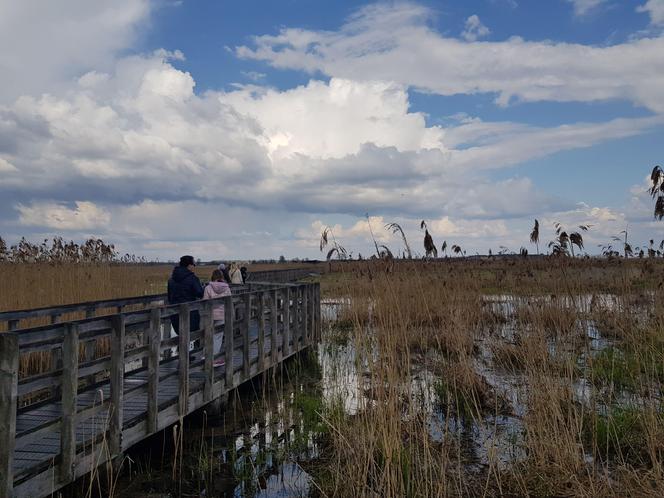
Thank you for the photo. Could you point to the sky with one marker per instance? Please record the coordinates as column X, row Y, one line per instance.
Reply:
column 240, row 130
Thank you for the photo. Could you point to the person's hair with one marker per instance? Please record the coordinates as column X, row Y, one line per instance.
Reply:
column 187, row 260
column 216, row 275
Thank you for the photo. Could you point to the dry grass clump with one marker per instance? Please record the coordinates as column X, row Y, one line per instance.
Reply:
column 466, row 394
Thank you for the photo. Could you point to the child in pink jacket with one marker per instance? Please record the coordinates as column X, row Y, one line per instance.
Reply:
column 217, row 288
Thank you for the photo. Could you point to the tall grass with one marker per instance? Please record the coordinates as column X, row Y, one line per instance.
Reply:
column 575, row 432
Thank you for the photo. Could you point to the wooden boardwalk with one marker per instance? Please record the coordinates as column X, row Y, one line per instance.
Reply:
column 117, row 379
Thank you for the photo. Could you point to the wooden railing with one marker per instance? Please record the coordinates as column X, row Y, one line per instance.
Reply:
column 58, row 424
column 282, row 276
column 18, row 319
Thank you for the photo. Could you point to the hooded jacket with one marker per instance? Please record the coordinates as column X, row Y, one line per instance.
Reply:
column 214, row 290
column 183, row 286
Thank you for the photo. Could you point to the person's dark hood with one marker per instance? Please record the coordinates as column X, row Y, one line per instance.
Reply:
column 181, row 273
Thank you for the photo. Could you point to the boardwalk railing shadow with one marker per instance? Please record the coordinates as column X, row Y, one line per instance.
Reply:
column 95, row 403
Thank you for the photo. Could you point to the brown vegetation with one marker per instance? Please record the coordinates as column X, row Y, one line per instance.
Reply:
column 528, row 400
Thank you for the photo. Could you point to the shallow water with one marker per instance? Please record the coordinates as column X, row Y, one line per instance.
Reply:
column 264, row 441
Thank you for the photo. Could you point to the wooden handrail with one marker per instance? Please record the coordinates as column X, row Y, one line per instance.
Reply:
column 137, row 367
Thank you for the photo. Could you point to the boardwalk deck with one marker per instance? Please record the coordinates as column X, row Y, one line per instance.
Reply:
column 75, row 417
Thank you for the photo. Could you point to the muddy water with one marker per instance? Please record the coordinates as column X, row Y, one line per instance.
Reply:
column 267, row 440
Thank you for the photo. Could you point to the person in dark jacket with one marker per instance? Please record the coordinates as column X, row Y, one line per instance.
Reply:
column 184, row 286
column 222, row 268
column 244, row 272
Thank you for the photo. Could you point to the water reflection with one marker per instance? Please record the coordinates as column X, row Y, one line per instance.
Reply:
column 268, row 436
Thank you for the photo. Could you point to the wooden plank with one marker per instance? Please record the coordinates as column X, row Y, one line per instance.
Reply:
column 246, row 299
column 312, row 313
column 319, row 326
column 274, row 325
column 208, row 350
column 153, row 369
column 304, row 290
column 117, row 384
column 261, row 330
column 69, row 385
column 183, row 359
column 285, row 346
column 17, row 315
column 229, row 319
column 90, row 352
column 9, row 395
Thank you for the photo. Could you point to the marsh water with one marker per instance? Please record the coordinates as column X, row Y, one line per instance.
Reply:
column 267, row 440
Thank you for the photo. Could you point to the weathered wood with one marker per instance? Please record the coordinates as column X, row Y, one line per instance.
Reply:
column 78, row 307
column 9, row 354
column 69, row 402
column 285, row 346
column 260, row 296
column 116, row 385
column 297, row 335
column 304, row 290
column 229, row 332
column 274, row 346
column 208, row 350
column 153, row 370
column 246, row 299
column 312, row 310
column 183, row 360
column 140, row 401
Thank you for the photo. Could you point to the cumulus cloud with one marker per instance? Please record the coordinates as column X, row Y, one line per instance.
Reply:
column 396, row 43
column 655, row 9
column 52, row 43
column 140, row 132
column 242, row 171
column 474, row 29
column 83, row 216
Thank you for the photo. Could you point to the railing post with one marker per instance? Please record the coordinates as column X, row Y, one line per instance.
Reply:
column 117, row 384
column 297, row 312
column 245, row 336
column 285, row 345
column 319, row 322
column 154, row 354
column 305, row 314
column 69, row 399
column 208, row 350
column 274, row 325
column 261, row 330
column 312, row 312
column 183, row 360
column 9, row 355
column 229, row 320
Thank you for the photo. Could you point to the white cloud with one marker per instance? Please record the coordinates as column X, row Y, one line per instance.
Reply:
column 52, row 43
column 474, row 29
column 140, row 132
column 583, row 7
column 6, row 166
column 237, row 173
column 655, row 9
column 85, row 216
column 395, row 43
column 254, row 75
column 334, row 119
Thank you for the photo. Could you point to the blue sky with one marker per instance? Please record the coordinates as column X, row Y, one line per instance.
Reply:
column 241, row 129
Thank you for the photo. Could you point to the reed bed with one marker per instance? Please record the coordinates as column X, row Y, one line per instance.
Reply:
column 542, row 377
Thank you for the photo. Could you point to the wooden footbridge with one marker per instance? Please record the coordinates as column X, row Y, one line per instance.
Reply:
column 111, row 379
